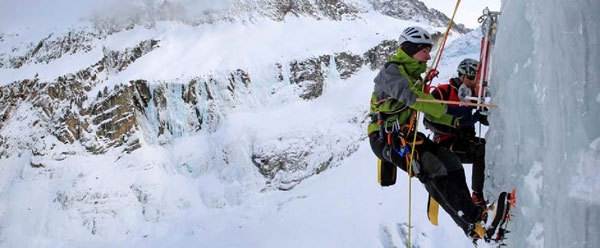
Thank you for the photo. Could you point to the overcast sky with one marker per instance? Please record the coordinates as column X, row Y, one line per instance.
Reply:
column 46, row 14
column 468, row 10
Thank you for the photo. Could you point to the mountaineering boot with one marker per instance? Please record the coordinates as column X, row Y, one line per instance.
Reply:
column 478, row 199
column 511, row 202
column 498, row 215
column 477, row 230
column 492, row 226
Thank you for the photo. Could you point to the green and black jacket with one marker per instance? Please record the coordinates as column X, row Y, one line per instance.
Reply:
column 397, row 87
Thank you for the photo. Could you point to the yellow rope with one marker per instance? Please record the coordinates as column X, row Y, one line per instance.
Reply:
column 412, row 150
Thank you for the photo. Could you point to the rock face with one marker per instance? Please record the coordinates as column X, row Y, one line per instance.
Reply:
column 106, row 122
column 74, row 111
column 331, row 9
column 410, row 9
column 81, row 109
column 278, row 10
column 48, row 49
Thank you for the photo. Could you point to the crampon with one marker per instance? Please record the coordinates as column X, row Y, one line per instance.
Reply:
column 494, row 224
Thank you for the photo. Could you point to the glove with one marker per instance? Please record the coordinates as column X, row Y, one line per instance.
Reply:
column 431, row 74
column 484, row 120
column 459, row 111
column 485, row 111
column 469, row 120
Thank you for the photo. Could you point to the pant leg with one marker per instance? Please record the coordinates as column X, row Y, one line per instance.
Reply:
column 470, row 150
column 451, row 191
column 458, row 192
column 478, row 156
column 436, row 189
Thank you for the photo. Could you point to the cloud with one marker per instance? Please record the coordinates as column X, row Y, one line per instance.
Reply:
column 22, row 15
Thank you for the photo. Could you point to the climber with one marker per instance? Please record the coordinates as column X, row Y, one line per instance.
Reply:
column 391, row 131
column 462, row 140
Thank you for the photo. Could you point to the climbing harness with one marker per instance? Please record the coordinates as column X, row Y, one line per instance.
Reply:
column 396, row 136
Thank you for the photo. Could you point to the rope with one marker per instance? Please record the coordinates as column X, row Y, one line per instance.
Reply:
column 438, row 56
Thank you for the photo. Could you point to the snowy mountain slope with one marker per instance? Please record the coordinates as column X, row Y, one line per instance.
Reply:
column 142, row 69
column 163, row 196
column 39, row 41
column 148, row 97
column 130, row 130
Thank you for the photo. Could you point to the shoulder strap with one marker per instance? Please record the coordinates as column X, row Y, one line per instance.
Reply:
column 455, row 82
column 443, row 92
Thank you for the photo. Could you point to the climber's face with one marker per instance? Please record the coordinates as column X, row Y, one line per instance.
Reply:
column 423, row 55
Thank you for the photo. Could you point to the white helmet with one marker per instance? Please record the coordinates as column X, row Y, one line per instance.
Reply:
column 467, row 67
column 415, row 35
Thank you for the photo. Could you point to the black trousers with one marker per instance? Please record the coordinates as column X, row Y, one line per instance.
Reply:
column 470, row 150
column 444, row 178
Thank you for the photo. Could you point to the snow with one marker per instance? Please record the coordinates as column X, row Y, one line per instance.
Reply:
column 177, row 191
column 187, row 50
column 343, row 206
column 48, row 72
column 173, row 195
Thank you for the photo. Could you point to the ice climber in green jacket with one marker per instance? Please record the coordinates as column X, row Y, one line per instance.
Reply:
column 391, row 131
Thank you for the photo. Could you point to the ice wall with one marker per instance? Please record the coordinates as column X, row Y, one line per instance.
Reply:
column 544, row 139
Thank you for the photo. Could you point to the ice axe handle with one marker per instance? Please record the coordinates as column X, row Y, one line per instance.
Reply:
column 458, row 103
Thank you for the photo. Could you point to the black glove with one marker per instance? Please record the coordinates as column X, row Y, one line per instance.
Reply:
column 484, row 120
column 459, row 111
column 469, row 120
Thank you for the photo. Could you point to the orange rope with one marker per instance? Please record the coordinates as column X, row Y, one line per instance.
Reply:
column 441, row 50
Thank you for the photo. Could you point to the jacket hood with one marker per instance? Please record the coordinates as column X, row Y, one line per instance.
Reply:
column 413, row 67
